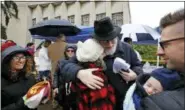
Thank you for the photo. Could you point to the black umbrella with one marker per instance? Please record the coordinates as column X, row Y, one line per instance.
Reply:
column 54, row 27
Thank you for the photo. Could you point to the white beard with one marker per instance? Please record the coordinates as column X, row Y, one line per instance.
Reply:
column 113, row 49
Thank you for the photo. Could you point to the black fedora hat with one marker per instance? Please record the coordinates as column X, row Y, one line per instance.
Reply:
column 105, row 30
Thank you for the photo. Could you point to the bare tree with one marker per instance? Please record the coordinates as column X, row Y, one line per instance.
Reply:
column 10, row 9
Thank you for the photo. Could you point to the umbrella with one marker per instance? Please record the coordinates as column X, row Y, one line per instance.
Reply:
column 54, row 27
column 140, row 33
column 51, row 38
column 84, row 34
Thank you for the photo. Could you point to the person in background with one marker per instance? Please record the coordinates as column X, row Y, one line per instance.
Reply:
column 129, row 41
column 31, row 48
column 58, row 84
column 159, row 80
column 15, row 79
column 106, row 35
column 44, row 63
column 172, row 51
column 7, row 41
column 55, row 53
column 68, row 53
column 32, row 66
column 37, row 54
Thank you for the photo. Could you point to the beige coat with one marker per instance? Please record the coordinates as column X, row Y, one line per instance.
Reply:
column 56, row 52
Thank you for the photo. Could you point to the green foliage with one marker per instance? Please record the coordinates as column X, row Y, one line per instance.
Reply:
column 10, row 10
column 148, row 52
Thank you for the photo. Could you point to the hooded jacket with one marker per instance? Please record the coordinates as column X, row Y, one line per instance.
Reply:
column 57, row 80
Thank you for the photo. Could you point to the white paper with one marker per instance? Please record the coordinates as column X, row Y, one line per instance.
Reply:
column 120, row 64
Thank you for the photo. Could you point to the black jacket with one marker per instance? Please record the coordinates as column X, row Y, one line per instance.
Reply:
column 12, row 92
column 167, row 100
column 69, row 69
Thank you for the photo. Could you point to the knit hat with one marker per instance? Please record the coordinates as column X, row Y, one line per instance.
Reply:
column 89, row 51
column 166, row 77
column 10, row 48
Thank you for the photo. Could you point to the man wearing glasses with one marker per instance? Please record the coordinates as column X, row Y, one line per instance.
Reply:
column 172, row 51
column 107, row 35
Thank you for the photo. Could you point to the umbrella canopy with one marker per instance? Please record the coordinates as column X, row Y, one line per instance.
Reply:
column 84, row 34
column 140, row 33
column 54, row 27
column 51, row 38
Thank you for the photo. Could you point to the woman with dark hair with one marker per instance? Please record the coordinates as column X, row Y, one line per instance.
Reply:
column 16, row 79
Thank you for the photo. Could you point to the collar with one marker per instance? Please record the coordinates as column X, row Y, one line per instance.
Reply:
column 119, row 50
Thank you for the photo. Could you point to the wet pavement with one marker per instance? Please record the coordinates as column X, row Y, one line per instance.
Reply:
column 48, row 106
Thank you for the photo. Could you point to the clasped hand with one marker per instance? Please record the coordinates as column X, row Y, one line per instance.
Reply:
column 90, row 80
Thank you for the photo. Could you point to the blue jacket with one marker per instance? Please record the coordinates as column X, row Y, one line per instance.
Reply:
column 139, row 93
column 167, row 100
column 69, row 69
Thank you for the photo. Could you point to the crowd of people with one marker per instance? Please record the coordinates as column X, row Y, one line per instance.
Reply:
column 82, row 75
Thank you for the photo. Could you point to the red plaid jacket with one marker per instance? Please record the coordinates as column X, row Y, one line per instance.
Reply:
column 100, row 99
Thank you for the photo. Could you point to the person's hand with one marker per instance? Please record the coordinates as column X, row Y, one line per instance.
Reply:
column 128, row 76
column 90, row 80
column 55, row 92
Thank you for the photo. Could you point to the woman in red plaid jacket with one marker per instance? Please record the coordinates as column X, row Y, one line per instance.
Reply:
column 89, row 55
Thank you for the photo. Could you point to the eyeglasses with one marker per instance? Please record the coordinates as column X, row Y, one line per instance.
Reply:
column 17, row 58
column 163, row 43
column 69, row 50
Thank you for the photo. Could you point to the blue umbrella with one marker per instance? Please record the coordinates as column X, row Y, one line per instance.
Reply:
column 75, row 39
column 54, row 27
column 86, row 33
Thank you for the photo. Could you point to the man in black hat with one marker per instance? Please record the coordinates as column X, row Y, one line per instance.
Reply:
column 107, row 35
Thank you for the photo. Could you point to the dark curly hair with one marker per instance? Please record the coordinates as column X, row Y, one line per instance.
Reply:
column 7, row 67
